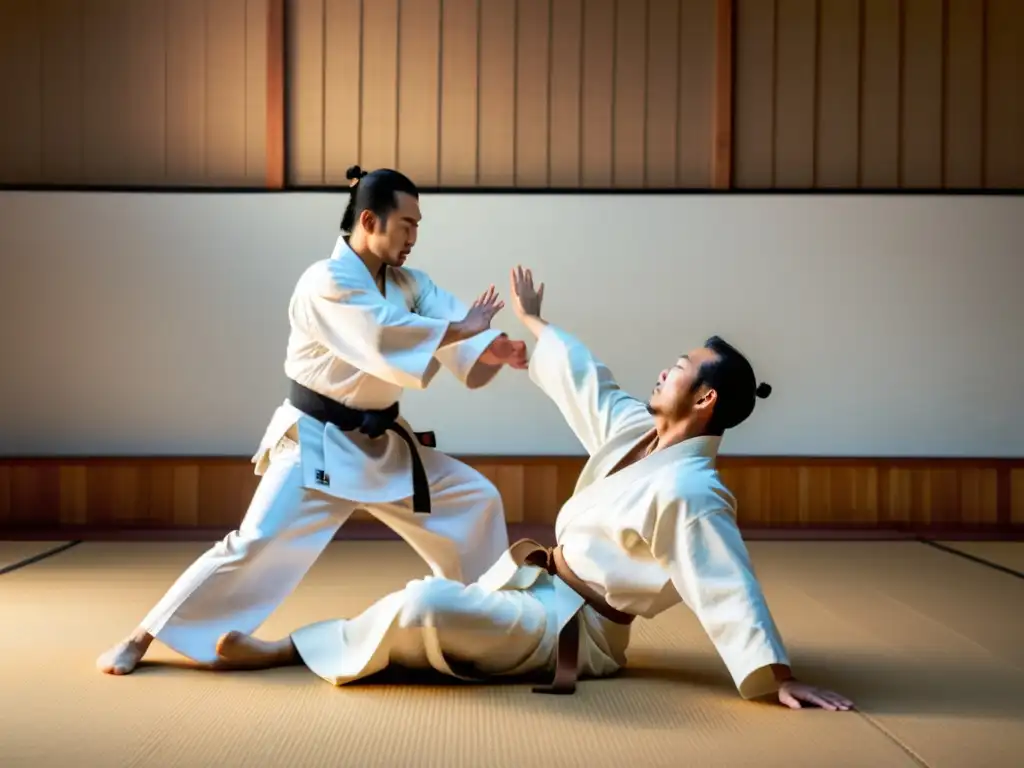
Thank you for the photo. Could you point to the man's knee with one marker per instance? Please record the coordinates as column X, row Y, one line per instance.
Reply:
column 428, row 601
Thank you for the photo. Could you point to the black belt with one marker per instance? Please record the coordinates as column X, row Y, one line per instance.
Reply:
column 371, row 423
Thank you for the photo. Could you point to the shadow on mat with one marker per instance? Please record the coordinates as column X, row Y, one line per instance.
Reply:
column 644, row 691
column 878, row 684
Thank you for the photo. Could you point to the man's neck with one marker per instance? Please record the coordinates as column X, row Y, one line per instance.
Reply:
column 674, row 432
column 358, row 245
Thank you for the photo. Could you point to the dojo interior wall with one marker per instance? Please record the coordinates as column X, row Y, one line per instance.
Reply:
column 154, row 325
column 810, row 94
column 880, row 417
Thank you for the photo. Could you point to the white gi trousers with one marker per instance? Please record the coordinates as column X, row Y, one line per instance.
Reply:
column 506, row 624
column 243, row 578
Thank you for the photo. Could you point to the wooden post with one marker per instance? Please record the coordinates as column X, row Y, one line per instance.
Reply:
column 275, row 94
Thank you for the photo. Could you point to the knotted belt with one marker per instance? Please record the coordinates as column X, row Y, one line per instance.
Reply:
column 373, row 423
column 529, row 552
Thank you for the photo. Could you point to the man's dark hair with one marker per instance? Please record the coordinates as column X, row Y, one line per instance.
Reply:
column 376, row 192
column 732, row 378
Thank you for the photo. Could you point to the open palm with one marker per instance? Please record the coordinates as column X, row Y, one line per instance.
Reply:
column 526, row 300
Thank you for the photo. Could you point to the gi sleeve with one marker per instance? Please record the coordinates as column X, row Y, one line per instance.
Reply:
column 462, row 359
column 371, row 334
column 583, row 388
column 710, row 567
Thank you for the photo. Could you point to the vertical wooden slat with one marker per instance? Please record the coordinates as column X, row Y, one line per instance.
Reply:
column 696, row 93
column 342, row 45
column 921, row 150
column 225, row 91
column 265, row 108
column 662, row 93
column 838, row 113
column 880, row 117
column 186, row 91
column 144, row 113
column 630, row 94
column 598, row 93
column 497, row 99
column 965, row 53
column 21, row 92
column 754, row 126
column 379, row 137
column 61, row 91
column 104, row 63
column 305, row 92
column 566, row 78
column 1004, row 136
column 721, row 146
column 533, row 62
column 459, row 92
column 795, row 93
column 419, row 66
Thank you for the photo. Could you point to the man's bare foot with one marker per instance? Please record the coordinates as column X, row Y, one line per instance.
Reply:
column 126, row 655
column 245, row 651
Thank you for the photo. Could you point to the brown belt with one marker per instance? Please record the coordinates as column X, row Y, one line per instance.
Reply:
column 529, row 552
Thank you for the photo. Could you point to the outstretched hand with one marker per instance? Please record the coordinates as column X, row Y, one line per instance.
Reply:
column 479, row 317
column 526, row 300
column 795, row 694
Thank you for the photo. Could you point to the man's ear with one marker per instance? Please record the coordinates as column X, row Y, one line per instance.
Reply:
column 368, row 220
column 706, row 399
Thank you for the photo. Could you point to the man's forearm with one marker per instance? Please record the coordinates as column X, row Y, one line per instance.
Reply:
column 534, row 324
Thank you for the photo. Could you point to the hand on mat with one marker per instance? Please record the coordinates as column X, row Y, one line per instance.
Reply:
column 479, row 317
column 526, row 300
column 505, row 351
column 792, row 693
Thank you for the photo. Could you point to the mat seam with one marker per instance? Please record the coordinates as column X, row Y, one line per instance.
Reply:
column 33, row 559
column 973, row 558
column 894, row 739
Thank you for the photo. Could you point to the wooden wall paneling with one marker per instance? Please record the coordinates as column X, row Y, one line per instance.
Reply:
column 460, row 51
column 340, row 84
column 195, row 493
column 226, row 79
column 532, row 92
column 963, row 98
column 721, row 124
column 838, row 117
column 881, row 95
column 496, row 127
column 754, row 99
column 379, row 136
column 21, row 91
column 796, row 92
column 565, row 149
column 186, row 92
column 921, row 119
column 104, row 63
column 662, row 109
column 629, row 100
column 61, row 91
column 597, row 100
column 264, row 93
column 306, row 87
column 696, row 93
column 1004, row 96
column 419, row 78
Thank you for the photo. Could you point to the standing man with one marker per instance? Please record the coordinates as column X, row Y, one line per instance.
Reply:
column 649, row 525
column 363, row 328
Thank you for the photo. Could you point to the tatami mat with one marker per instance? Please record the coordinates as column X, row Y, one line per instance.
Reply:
column 1009, row 554
column 927, row 643
column 14, row 552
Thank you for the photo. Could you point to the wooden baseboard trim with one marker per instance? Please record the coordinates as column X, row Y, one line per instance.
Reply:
column 374, row 531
